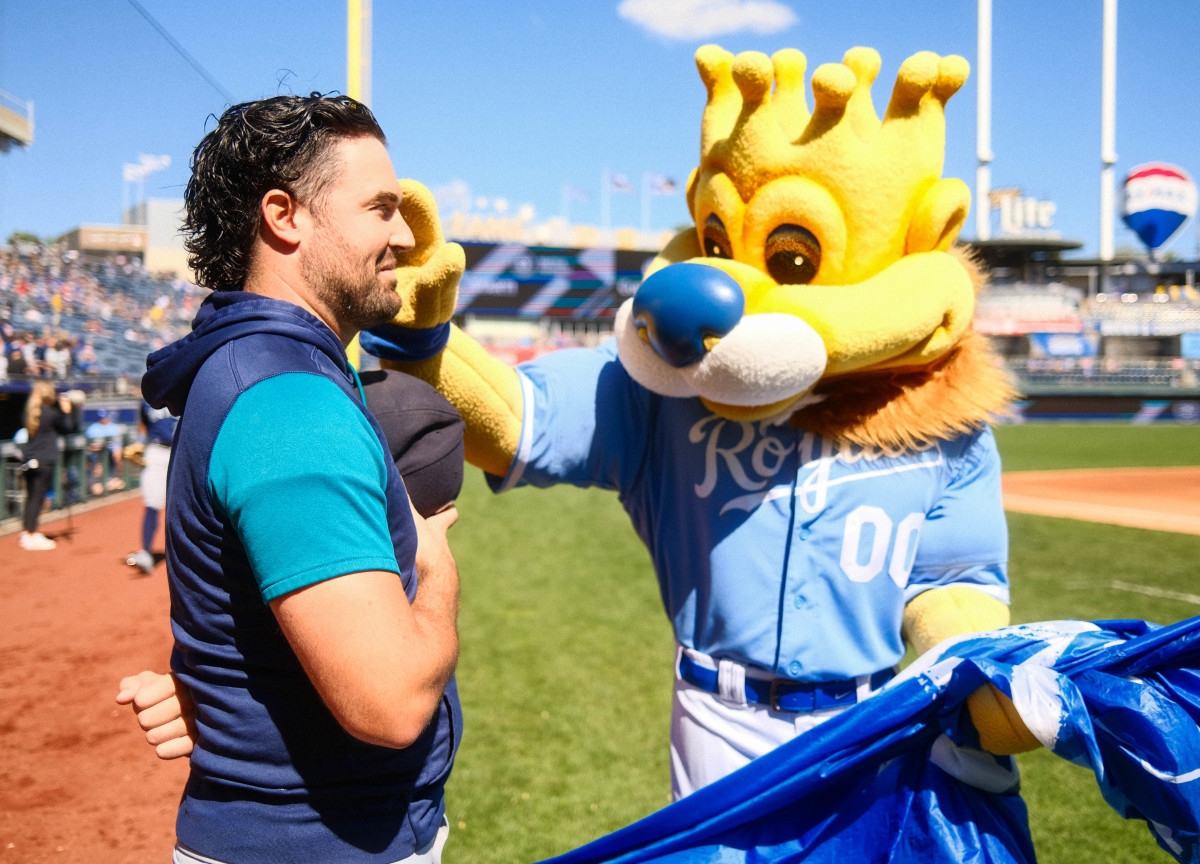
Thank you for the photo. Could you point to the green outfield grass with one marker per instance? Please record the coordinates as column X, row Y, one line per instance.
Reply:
column 1043, row 446
column 565, row 675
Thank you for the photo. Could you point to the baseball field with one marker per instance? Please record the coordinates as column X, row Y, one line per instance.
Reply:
column 565, row 672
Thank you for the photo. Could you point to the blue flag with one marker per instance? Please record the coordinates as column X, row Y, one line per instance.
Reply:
column 899, row 778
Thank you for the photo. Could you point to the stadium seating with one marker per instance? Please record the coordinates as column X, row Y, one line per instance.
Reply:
column 116, row 309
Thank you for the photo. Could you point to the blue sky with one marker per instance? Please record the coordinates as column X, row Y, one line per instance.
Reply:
column 518, row 99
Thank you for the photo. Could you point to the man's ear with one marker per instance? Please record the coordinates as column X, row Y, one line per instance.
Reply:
column 283, row 219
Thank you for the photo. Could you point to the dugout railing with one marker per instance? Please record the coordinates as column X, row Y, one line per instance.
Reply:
column 88, row 469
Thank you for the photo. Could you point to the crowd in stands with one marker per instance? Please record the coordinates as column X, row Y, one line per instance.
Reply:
column 1050, row 308
column 64, row 315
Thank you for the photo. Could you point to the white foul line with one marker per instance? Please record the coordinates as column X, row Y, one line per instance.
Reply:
column 1156, row 592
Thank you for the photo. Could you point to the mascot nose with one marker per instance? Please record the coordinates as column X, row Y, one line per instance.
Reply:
column 677, row 308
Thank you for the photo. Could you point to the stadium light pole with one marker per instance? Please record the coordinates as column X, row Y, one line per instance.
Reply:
column 358, row 50
column 358, row 86
column 983, row 124
column 1108, row 125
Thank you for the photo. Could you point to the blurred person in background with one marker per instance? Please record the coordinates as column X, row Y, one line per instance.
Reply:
column 104, row 453
column 85, row 358
column 158, row 431
column 47, row 416
column 58, row 359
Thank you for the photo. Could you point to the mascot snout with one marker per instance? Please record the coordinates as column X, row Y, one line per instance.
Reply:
column 683, row 310
column 685, row 334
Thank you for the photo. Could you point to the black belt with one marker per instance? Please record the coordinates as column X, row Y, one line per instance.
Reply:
column 783, row 694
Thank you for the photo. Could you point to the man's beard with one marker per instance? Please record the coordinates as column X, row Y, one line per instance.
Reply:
column 351, row 291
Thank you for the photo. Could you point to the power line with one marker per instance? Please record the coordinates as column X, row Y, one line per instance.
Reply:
column 195, row 64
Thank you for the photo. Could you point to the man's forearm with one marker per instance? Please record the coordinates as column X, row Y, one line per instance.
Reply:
column 380, row 663
column 435, row 612
column 435, row 608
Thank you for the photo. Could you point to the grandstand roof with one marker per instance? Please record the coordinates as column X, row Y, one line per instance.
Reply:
column 1019, row 248
column 1021, row 258
column 16, row 121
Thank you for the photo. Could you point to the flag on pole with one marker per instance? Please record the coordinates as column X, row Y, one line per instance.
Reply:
column 619, row 183
column 574, row 193
column 569, row 194
column 898, row 777
column 660, row 185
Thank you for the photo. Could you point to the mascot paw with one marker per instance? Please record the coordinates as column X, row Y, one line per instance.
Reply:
column 427, row 275
column 1001, row 729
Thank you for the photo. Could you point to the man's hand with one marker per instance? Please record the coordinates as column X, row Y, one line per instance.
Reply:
column 435, row 562
column 427, row 275
column 164, row 710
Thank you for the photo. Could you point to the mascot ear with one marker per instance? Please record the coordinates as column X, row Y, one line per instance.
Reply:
column 940, row 216
column 690, row 191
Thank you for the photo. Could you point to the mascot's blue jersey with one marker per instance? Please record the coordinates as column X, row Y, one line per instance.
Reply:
column 773, row 547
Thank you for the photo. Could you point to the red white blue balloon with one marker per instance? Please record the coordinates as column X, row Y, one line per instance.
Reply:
column 1159, row 199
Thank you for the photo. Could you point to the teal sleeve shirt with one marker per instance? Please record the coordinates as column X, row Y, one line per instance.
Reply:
column 301, row 475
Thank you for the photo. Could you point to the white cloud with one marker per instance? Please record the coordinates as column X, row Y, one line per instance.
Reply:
column 704, row 19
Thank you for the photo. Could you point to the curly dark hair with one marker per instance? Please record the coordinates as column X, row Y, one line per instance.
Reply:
column 284, row 142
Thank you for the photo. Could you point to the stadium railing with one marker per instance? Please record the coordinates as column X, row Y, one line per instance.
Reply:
column 83, row 474
column 1175, row 377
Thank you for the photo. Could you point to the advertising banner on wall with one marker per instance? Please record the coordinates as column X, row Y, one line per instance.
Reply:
column 1062, row 345
column 1105, row 409
column 511, row 279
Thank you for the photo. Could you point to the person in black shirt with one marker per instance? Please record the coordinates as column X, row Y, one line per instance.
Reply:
column 47, row 415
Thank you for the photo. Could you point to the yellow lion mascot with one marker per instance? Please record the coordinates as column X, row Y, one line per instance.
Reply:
column 793, row 408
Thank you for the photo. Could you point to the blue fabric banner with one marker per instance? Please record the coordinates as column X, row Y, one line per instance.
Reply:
column 897, row 778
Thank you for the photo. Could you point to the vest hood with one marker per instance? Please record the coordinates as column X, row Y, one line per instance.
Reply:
column 223, row 317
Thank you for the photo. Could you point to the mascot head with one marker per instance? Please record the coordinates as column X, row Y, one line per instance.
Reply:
column 819, row 281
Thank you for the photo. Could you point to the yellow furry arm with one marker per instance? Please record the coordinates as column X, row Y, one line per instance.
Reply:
column 942, row 613
column 486, row 392
column 939, row 614
column 427, row 275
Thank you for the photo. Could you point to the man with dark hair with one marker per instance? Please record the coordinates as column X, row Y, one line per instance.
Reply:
column 326, row 716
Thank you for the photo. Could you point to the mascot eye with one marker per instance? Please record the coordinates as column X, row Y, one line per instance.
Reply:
column 793, row 255
column 716, row 241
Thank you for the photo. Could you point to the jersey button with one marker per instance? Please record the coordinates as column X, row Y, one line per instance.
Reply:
column 803, row 534
column 794, row 668
column 800, row 601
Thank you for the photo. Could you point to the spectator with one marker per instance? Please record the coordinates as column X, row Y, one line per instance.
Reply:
column 104, row 452
column 46, row 417
column 16, row 359
column 29, row 353
column 158, row 431
column 85, row 358
column 58, row 359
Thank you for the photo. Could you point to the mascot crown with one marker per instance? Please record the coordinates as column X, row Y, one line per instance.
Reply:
column 754, row 135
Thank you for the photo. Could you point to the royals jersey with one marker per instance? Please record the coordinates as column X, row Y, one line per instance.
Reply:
column 773, row 546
